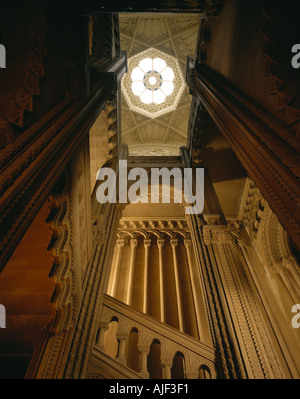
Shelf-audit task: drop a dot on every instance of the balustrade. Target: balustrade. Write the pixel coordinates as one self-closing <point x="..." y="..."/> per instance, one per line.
<point x="197" y="356"/>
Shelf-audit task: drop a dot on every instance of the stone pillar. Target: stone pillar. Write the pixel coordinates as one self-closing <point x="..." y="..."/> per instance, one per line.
<point x="115" y="269"/>
<point x="147" y="244"/>
<point x="203" y="334"/>
<point x="122" y="339"/>
<point x="238" y="295"/>
<point x="166" y="365"/>
<point x="160" y="244"/>
<point x="174" y="244"/>
<point x="231" y="363"/>
<point x="133" y="245"/>
<point x="143" y="353"/>
<point x="103" y="326"/>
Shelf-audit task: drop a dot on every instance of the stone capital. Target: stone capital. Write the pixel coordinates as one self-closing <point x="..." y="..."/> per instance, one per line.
<point x="289" y="262"/>
<point x="160" y="243"/>
<point x="166" y="361"/>
<point x="133" y="243"/>
<point x="147" y="243"/>
<point x="121" y="336"/>
<point x="278" y="267"/>
<point x="120" y="243"/>
<point x="103" y="325"/>
<point x="187" y="243"/>
<point x="174" y="242"/>
<point x="144" y="348"/>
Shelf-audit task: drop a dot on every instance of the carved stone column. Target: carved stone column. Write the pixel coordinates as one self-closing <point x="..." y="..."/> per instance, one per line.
<point x="147" y="244"/>
<point x="174" y="244"/>
<point x="166" y="365"/>
<point x="115" y="269"/>
<point x="94" y="284"/>
<point x="143" y="353"/>
<point x="160" y="244"/>
<point x="122" y="339"/>
<point x="198" y="302"/>
<point x="103" y="326"/>
<point x="133" y="245"/>
<point x="227" y="348"/>
<point x="238" y="295"/>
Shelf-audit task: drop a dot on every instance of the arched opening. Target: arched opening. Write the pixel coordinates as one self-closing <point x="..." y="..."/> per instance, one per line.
<point x="204" y="373"/>
<point x="177" y="370"/>
<point x="132" y="350"/>
<point x="153" y="361"/>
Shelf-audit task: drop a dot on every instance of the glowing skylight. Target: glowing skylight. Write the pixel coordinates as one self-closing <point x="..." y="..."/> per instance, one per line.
<point x="152" y="80"/>
<point x="154" y="83"/>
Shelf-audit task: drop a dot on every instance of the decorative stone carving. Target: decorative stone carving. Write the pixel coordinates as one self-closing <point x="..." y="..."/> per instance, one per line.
<point x="216" y="234"/>
<point x="174" y="243"/>
<point x="87" y="321"/>
<point x="133" y="243"/>
<point x="48" y="147"/>
<point x="147" y="243"/>
<point x="166" y="364"/>
<point x="160" y="243"/>
<point x="256" y="144"/>
<point x="143" y="352"/>
<point x="194" y="354"/>
<point x="228" y="352"/>
<point x="64" y="273"/>
<point x="212" y="219"/>
<point x="174" y="35"/>
<point x="252" y="207"/>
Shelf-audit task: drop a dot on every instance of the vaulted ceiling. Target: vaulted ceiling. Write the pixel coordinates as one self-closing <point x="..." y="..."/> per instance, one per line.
<point x="175" y="35"/>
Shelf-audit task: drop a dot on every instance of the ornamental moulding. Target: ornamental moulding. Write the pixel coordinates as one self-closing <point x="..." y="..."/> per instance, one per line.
<point x="217" y="235"/>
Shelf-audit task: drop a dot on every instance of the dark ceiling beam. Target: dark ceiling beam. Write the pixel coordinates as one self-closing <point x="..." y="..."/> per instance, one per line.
<point x="166" y="6"/>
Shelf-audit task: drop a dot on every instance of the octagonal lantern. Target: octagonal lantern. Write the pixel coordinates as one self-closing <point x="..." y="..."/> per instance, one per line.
<point x="153" y="84"/>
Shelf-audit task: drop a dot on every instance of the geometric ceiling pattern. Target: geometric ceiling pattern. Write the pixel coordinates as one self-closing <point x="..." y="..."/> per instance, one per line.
<point x="153" y="84"/>
<point x="174" y="35"/>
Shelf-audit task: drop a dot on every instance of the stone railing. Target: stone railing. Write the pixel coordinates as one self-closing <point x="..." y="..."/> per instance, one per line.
<point x="199" y="359"/>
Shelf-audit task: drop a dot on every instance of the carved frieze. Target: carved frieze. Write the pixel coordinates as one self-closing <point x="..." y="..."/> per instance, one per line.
<point x="217" y="235"/>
